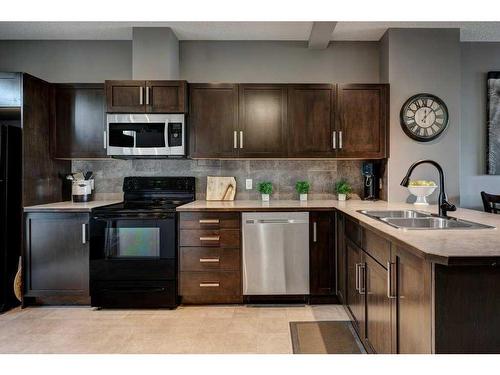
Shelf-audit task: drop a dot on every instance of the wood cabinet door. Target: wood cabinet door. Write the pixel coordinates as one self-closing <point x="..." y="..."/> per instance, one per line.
<point x="355" y="286"/>
<point x="378" y="308"/>
<point x="78" y="121"/>
<point x="310" y="120"/>
<point x="56" y="254"/>
<point x="262" y="120"/>
<point x="413" y="321"/>
<point x="321" y="253"/>
<point x="362" y="120"/>
<point x="341" y="259"/>
<point x="126" y="96"/>
<point x="166" y="96"/>
<point x="213" y="120"/>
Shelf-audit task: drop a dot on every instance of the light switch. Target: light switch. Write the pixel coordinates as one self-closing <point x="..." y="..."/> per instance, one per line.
<point x="248" y="184"/>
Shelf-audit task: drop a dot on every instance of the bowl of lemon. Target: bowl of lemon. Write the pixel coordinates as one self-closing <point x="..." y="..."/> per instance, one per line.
<point x="421" y="189"/>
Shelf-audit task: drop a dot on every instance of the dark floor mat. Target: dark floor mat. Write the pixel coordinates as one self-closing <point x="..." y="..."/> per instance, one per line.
<point x="325" y="337"/>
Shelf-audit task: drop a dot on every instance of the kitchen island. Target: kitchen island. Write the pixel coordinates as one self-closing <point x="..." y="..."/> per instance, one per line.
<point x="406" y="291"/>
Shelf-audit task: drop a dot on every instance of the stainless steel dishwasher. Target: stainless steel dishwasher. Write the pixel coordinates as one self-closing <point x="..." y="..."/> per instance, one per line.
<point x="275" y="253"/>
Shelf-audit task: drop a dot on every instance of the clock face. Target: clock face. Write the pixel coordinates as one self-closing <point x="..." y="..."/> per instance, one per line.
<point x="424" y="117"/>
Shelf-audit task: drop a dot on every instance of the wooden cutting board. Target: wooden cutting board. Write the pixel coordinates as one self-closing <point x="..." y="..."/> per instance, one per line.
<point x="221" y="188"/>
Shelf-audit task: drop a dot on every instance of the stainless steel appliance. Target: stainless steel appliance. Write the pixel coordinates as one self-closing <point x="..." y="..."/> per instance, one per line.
<point x="133" y="245"/>
<point x="275" y="253"/>
<point x="145" y="135"/>
<point x="371" y="180"/>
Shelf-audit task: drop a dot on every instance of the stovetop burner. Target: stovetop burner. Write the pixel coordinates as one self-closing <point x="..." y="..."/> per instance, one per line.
<point x="154" y="194"/>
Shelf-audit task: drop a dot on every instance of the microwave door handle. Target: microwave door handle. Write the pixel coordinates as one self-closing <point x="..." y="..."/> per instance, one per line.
<point x="167" y="127"/>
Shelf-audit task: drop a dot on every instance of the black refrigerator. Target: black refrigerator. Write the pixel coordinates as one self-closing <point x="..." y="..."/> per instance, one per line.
<point x="10" y="203"/>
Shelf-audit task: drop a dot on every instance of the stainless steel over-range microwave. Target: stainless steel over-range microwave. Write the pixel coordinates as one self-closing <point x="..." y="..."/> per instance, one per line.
<point x="145" y="135"/>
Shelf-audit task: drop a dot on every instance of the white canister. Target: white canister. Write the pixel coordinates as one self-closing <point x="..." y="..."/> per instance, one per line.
<point x="81" y="190"/>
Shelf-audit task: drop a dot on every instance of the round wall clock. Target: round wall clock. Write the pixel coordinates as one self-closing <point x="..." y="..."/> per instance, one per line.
<point x="424" y="117"/>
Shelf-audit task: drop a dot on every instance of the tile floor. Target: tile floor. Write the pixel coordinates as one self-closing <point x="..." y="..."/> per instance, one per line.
<point x="188" y="329"/>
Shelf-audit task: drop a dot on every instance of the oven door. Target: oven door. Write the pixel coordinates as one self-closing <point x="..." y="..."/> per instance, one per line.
<point x="133" y="237"/>
<point x="146" y="135"/>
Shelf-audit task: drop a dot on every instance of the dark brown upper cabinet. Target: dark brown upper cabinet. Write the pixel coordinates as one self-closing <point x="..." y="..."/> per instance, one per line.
<point x="213" y="120"/>
<point x="262" y="120"/>
<point x="362" y="118"/>
<point x="166" y="96"/>
<point x="78" y="121"/>
<point x="311" y="110"/>
<point x="146" y="96"/>
<point x="126" y="96"/>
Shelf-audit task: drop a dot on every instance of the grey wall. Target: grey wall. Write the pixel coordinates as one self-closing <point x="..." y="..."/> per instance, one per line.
<point x="68" y="61"/>
<point x="477" y="60"/>
<point x="283" y="174"/>
<point x="155" y="53"/>
<point x="253" y="61"/>
<point x="423" y="60"/>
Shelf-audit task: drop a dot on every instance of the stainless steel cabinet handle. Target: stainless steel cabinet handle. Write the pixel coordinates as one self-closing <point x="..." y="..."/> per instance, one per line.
<point x="209" y="221"/>
<point x="84" y="233"/>
<point x="209" y="260"/>
<point x="214" y="238"/>
<point x="105" y="140"/>
<point x="314" y="232"/>
<point x="334" y="140"/>
<point x="389" y="281"/>
<point x="141" y="95"/>
<point x="340" y="139"/>
<point x="356" y="267"/>
<point x="147" y="95"/>
<point x="362" y="278"/>
<point x="241" y="139"/>
<point x="235" y="139"/>
<point x="209" y="285"/>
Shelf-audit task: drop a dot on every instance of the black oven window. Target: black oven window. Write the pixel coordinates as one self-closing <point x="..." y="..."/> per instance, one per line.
<point x="133" y="242"/>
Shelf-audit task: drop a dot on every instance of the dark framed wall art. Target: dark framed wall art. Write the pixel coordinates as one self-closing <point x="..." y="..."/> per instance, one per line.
<point x="493" y="123"/>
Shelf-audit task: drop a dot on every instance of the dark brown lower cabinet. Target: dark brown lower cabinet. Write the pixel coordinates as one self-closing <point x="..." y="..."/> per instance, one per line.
<point x="412" y="309"/>
<point x="355" y="300"/>
<point x="56" y="257"/>
<point x="341" y="258"/>
<point x="378" y="307"/>
<point x="322" y="254"/>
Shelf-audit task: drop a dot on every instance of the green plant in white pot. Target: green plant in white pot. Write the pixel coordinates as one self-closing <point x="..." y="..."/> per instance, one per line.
<point x="302" y="188"/>
<point x="265" y="189"/>
<point x="342" y="188"/>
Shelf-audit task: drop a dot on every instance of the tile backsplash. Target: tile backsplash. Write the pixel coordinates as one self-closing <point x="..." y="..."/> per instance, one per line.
<point x="322" y="174"/>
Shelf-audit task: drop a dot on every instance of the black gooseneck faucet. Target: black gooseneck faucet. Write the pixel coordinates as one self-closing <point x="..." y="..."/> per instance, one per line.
<point x="443" y="205"/>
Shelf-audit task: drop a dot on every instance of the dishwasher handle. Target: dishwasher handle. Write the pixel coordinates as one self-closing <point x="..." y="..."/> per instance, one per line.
<point x="276" y="221"/>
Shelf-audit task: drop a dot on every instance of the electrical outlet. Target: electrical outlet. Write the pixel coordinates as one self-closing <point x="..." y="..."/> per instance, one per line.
<point x="248" y="184"/>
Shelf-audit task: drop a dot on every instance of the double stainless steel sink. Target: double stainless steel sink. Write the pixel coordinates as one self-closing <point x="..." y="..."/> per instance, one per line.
<point x="413" y="219"/>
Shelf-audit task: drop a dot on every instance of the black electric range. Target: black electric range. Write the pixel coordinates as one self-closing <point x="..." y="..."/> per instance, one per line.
<point x="133" y="244"/>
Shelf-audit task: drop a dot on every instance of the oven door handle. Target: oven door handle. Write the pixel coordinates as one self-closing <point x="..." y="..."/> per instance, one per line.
<point x="134" y="217"/>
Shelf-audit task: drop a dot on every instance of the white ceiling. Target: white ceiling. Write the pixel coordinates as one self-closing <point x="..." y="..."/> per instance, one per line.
<point x="362" y="31"/>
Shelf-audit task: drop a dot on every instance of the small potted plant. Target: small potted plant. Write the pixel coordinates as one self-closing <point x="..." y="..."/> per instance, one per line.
<point x="302" y="188"/>
<point x="265" y="189"/>
<point x="342" y="188"/>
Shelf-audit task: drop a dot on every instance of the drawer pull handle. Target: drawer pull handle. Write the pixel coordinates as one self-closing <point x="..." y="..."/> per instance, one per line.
<point x="209" y="285"/>
<point x="209" y="260"/>
<point x="209" y="221"/>
<point x="214" y="238"/>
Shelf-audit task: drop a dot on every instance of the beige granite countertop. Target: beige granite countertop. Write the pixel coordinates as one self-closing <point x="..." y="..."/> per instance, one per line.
<point x="436" y="245"/>
<point x="69" y="206"/>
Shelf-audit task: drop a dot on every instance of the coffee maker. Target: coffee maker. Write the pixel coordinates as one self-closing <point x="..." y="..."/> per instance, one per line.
<point x="371" y="176"/>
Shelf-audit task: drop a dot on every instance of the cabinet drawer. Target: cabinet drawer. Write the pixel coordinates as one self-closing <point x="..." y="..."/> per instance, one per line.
<point x="378" y="247"/>
<point x="210" y="237"/>
<point x="210" y="287"/>
<point x="353" y="231"/>
<point x="209" y="220"/>
<point x="209" y="259"/>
